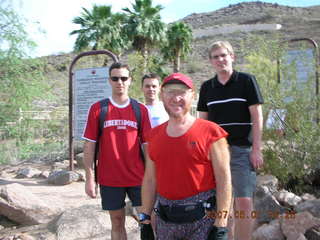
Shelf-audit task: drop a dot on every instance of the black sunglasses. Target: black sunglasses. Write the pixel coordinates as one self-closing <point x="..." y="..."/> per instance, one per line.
<point x="116" y="79"/>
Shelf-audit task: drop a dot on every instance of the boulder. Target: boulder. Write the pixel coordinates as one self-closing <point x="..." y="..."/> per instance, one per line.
<point x="308" y="197"/>
<point x="313" y="206"/>
<point x="287" y="199"/>
<point x="63" y="177"/>
<point x="295" y="227"/>
<point x="88" y="222"/>
<point x="313" y="234"/>
<point x="266" y="205"/>
<point x="18" y="204"/>
<point x="271" y="231"/>
<point x="28" y="173"/>
<point x="269" y="181"/>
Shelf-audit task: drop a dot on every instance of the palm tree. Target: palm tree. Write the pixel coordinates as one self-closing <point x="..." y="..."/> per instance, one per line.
<point x="144" y="27"/>
<point x="100" y="29"/>
<point x="178" y="45"/>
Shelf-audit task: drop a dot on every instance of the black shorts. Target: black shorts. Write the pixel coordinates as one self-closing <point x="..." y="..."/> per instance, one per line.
<point x="113" y="198"/>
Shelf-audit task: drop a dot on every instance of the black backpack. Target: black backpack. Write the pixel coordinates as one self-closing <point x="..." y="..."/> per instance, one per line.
<point x="103" y="114"/>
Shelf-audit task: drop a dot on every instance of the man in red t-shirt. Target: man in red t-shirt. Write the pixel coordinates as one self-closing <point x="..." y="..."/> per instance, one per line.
<point x="187" y="168"/>
<point x="120" y="166"/>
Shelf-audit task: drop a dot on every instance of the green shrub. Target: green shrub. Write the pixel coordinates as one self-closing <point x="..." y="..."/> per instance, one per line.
<point x="292" y="152"/>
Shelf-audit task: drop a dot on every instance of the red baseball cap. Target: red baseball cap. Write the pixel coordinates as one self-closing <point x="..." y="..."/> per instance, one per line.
<point x="178" y="78"/>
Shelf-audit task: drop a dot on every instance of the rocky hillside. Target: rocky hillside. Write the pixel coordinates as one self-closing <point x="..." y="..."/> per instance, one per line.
<point x="259" y="12"/>
<point x="296" y="22"/>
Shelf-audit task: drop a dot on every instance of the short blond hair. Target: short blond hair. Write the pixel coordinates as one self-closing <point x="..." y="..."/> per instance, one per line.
<point x="220" y="44"/>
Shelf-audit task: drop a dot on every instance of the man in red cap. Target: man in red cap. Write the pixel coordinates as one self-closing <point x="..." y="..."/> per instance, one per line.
<point x="187" y="170"/>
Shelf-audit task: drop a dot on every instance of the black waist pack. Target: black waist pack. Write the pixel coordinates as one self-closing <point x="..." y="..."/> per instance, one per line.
<point x="185" y="213"/>
<point x="181" y="213"/>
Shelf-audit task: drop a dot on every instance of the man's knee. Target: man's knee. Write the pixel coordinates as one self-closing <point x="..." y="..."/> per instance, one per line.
<point x="117" y="218"/>
<point x="243" y="203"/>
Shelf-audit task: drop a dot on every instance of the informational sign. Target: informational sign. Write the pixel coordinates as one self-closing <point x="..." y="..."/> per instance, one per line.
<point x="301" y="69"/>
<point x="90" y="86"/>
<point x="303" y="62"/>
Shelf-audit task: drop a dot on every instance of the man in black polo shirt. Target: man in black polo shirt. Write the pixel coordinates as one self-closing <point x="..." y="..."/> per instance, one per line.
<point x="233" y="100"/>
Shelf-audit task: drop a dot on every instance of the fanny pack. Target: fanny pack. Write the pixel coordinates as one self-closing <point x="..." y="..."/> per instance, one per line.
<point x="185" y="213"/>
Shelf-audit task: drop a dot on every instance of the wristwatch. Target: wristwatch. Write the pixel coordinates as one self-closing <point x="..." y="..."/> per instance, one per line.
<point x="143" y="217"/>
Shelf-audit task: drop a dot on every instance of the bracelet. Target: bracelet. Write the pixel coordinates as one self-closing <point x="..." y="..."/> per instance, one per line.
<point x="143" y="217"/>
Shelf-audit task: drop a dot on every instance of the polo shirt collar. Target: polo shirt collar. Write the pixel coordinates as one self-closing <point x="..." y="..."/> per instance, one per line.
<point x="233" y="78"/>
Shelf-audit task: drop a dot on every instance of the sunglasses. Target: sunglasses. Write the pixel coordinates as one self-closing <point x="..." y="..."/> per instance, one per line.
<point x="116" y="79"/>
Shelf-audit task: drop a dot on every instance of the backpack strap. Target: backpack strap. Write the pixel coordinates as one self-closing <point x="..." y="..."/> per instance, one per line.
<point x="137" y="112"/>
<point x="102" y="116"/>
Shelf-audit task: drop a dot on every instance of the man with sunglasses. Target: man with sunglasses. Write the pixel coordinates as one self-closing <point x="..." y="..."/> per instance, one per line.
<point x="187" y="170"/>
<point x="120" y="164"/>
<point x="233" y="100"/>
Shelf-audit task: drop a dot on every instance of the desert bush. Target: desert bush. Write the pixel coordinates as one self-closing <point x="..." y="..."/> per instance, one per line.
<point x="22" y="84"/>
<point x="291" y="150"/>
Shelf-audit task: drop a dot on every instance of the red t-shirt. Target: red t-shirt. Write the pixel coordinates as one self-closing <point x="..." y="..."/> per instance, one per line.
<point x="183" y="167"/>
<point x="120" y="163"/>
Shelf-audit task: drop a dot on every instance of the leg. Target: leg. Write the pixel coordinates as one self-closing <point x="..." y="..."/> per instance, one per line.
<point x="243" y="182"/>
<point x="134" y="194"/>
<point x="231" y="221"/>
<point x="113" y="200"/>
<point x="118" y="231"/>
<point x="243" y="226"/>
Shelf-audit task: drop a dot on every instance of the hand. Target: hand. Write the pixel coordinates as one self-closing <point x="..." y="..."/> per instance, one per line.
<point x="146" y="232"/>
<point x="218" y="233"/>
<point x="256" y="158"/>
<point x="91" y="188"/>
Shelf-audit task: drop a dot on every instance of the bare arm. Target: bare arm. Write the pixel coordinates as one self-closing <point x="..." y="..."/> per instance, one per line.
<point x="220" y="158"/>
<point x="148" y="186"/>
<point x="257" y="126"/>
<point x="88" y="158"/>
<point x="203" y="115"/>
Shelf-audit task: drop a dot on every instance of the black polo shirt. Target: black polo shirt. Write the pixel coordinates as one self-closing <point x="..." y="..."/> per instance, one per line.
<point x="228" y="105"/>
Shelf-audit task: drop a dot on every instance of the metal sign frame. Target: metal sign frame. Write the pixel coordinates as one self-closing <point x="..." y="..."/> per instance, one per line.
<point x="74" y="61"/>
<point x="317" y="62"/>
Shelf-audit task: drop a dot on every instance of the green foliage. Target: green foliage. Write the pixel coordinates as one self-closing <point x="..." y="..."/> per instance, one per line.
<point x="34" y="139"/>
<point x="100" y="29"/>
<point x="144" y="27"/>
<point x="178" y="44"/>
<point x="140" y="27"/>
<point x="13" y="37"/>
<point x="292" y="151"/>
<point x="21" y="79"/>
<point x="8" y="151"/>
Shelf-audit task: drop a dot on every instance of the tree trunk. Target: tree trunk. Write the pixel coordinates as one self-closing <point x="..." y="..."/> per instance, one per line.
<point x="176" y="62"/>
<point x="145" y="59"/>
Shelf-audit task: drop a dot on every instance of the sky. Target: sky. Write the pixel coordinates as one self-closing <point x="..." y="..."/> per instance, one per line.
<point x="49" y="22"/>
